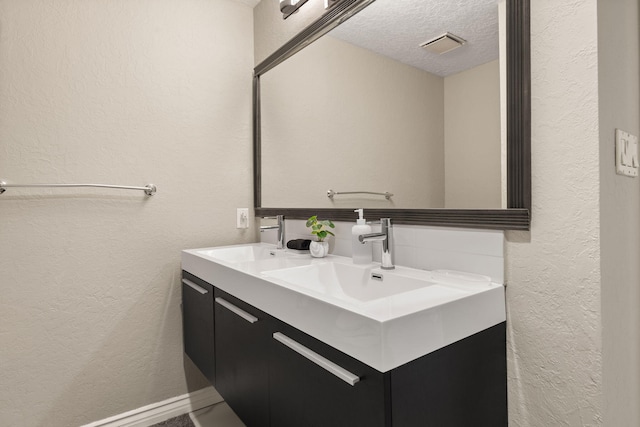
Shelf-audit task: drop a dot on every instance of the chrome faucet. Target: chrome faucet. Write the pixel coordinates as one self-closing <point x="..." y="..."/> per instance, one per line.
<point x="279" y="226"/>
<point x="386" y="237"/>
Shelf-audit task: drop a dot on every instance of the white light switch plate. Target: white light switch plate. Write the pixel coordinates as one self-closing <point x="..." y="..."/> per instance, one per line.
<point x="242" y="218"/>
<point x="626" y="153"/>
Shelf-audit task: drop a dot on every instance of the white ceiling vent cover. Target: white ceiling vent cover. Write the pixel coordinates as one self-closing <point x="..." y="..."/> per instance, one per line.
<point x="444" y="43"/>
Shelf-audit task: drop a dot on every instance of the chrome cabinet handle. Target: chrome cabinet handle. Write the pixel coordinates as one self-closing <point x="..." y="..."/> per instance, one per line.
<point x="324" y="363"/>
<point x="240" y="312"/>
<point x="195" y="287"/>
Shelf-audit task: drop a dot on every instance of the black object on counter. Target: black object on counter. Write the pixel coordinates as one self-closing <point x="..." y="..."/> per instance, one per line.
<point x="299" y="244"/>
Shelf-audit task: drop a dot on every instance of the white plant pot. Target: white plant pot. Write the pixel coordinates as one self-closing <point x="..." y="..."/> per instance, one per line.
<point x="319" y="249"/>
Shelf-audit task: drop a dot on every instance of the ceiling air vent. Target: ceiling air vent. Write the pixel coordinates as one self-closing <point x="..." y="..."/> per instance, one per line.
<point x="444" y="43"/>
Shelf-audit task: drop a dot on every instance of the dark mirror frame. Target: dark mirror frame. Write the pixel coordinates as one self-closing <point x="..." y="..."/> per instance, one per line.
<point x="517" y="216"/>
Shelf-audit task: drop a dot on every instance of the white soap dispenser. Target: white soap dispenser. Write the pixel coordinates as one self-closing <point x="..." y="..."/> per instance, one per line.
<point x="361" y="252"/>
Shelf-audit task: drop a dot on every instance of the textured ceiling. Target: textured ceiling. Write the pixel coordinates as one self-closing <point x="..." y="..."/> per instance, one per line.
<point x="396" y="28"/>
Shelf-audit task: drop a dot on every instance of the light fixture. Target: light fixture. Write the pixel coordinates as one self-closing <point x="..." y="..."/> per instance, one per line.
<point x="288" y="7"/>
<point x="443" y="43"/>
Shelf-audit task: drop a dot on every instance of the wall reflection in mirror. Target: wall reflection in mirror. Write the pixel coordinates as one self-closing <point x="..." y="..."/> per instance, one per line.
<point x="366" y="108"/>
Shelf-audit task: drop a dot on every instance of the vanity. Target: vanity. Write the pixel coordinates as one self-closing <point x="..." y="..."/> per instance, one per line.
<point x="289" y="340"/>
<point x="292" y="341"/>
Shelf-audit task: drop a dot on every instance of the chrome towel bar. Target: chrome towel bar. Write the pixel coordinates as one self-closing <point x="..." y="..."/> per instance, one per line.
<point x="331" y="193"/>
<point x="148" y="189"/>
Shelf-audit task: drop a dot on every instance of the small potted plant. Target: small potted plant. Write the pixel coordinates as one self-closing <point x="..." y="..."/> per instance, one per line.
<point x="319" y="248"/>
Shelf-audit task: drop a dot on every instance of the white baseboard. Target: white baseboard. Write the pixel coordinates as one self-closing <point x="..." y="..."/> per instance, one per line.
<point x="162" y="411"/>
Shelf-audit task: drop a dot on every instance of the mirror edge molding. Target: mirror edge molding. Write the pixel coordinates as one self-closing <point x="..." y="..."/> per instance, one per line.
<point x="518" y="104"/>
<point x="494" y="219"/>
<point x="335" y="16"/>
<point x="517" y="216"/>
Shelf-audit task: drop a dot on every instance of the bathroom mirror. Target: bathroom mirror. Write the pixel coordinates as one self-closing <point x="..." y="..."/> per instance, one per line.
<point x="307" y="108"/>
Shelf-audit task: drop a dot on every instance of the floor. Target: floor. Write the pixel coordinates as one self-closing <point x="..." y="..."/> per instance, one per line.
<point x="218" y="415"/>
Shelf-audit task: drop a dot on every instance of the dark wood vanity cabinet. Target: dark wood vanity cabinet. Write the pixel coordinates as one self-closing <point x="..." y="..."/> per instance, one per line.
<point x="198" y="323"/>
<point x="460" y="385"/>
<point x="242" y="371"/>
<point x="273" y="375"/>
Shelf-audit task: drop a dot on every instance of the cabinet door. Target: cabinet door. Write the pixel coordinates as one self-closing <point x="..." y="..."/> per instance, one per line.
<point x="314" y="385"/>
<point x="242" y="339"/>
<point x="197" y="323"/>
<point x="463" y="384"/>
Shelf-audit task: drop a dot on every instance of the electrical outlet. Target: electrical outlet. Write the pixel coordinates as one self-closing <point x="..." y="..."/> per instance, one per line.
<point x="626" y="153"/>
<point x="242" y="218"/>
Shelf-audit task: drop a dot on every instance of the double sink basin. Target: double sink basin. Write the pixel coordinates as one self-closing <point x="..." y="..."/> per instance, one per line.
<point x="384" y="318"/>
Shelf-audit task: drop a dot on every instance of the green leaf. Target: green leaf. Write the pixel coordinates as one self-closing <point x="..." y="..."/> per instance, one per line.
<point x="312" y="220"/>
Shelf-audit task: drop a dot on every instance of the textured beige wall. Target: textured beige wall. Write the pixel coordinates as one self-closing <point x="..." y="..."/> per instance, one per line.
<point x="573" y="295"/>
<point x="385" y="134"/>
<point x="472" y="148"/>
<point x="553" y="272"/>
<point x="113" y="91"/>
<point x="619" y="96"/>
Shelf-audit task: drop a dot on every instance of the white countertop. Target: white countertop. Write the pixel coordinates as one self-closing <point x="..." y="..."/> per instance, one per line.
<point x="384" y="333"/>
